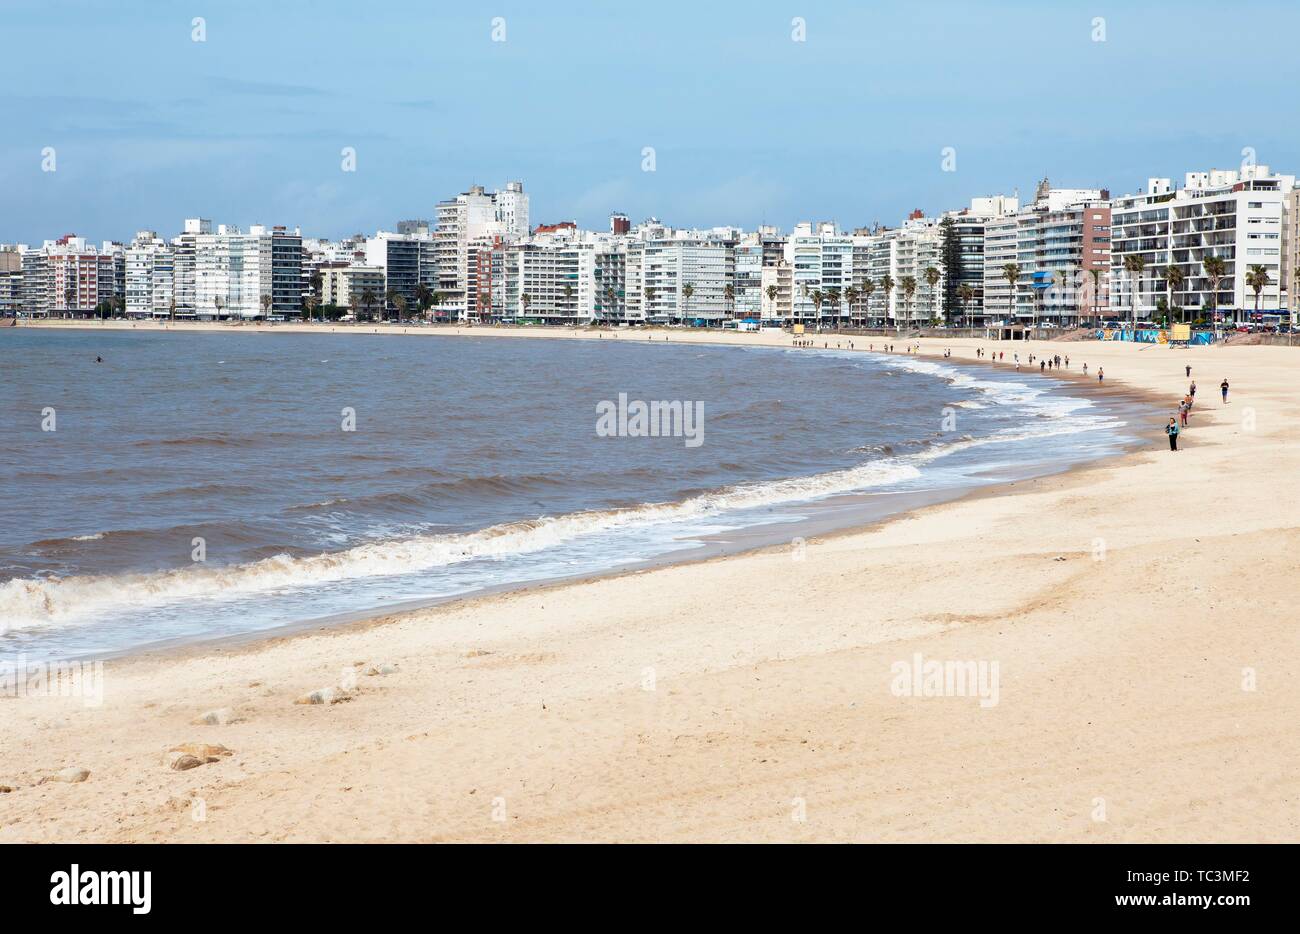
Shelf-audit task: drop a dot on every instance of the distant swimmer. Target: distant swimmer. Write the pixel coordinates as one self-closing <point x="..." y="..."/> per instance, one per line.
<point x="99" y="359"/>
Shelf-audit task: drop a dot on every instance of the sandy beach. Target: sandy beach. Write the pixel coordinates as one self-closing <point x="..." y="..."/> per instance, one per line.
<point x="1139" y="614"/>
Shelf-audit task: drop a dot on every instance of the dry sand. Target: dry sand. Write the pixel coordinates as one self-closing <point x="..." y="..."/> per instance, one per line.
<point x="1129" y="607"/>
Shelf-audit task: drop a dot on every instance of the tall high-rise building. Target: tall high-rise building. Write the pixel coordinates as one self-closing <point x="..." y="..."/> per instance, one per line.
<point x="150" y="276"/>
<point x="469" y="216"/>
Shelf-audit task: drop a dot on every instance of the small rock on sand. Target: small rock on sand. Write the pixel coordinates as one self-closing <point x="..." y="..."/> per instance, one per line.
<point x="183" y="761"/>
<point x="219" y="717"/>
<point x="6" y="789"/>
<point x="71" y="775"/>
<point x="208" y="752"/>
<point x="325" y="696"/>
<point x="386" y="668"/>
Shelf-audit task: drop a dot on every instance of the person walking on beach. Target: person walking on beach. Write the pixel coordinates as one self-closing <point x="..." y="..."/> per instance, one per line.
<point x="1101" y="373"/>
<point x="1172" y="431"/>
<point x="1191" y="391"/>
<point x="1189" y="371"/>
<point x="1223" y="387"/>
<point x="1085" y="369"/>
<point x="1182" y="412"/>
<point x="1042" y="366"/>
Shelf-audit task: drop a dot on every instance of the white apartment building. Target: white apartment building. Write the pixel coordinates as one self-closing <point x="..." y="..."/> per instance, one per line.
<point x="821" y="264"/>
<point x="1291" y="254"/>
<point x="747" y="287"/>
<point x="232" y="271"/>
<point x="777" y="289"/>
<point x="1000" y="242"/>
<point x="1052" y="243"/>
<point x="469" y="216"/>
<point x="150" y="276"/>
<point x="1238" y="216"/>
<point x="685" y="280"/>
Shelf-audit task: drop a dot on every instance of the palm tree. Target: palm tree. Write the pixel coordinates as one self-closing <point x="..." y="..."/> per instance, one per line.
<point x="817" y="296"/>
<point x="568" y="297"/>
<point x="118" y="304"/>
<point x="832" y="298"/>
<point x="312" y="303"/>
<point x="171" y="308"/>
<point x="1134" y="265"/>
<point x="729" y="293"/>
<point x="68" y="295"/>
<point x="772" y="292"/>
<point x="524" y="300"/>
<point x="909" y="289"/>
<point x="887" y="287"/>
<point x="399" y="303"/>
<point x="1257" y="278"/>
<point x="610" y="295"/>
<point x="687" y="291"/>
<point x="218" y="303"/>
<point x="1173" y="277"/>
<point x="1011" y="272"/>
<point x="423" y="297"/>
<point x="649" y="291"/>
<point x="1216" y="270"/>
<point x="868" y="287"/>
<point x="368" y="299"/>
<point x="390" y="300"/>
<point x="1062" y="287"/>
<point x="266" y="304"/>
<point x="932" y="277"/>
<point x="1095" y="272"/>
<point x="965" y="292"/>
<point x="850" y="298"/>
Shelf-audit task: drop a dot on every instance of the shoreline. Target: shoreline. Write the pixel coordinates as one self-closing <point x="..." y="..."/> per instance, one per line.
<point x="846" y="520"/>
<point x="1121" y="678"/>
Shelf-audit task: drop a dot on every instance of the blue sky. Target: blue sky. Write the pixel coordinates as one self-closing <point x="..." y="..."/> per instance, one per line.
<point x="747" y="125"/>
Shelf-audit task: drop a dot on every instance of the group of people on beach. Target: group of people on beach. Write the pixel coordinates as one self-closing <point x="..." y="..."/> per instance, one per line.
<point x="1179" y="421"/>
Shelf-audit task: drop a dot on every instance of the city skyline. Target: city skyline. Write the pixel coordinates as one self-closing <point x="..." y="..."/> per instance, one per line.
<point x="855" y="124"/>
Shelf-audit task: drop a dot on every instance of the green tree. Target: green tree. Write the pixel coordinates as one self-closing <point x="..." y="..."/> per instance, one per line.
<point x="1257" y="279"/>
<point x="1011" y="272"/>
<point x="368" y="299"/>
<point x="909" y="289"/>
<point x="965" y="292"/>
<point x="1095" y="272"/>
<point x="1134" y="266"/>
<point x="1173" y="277"/>
<point x="950" y="254"/>
<point x="1216" y="270"/>
<point x="932" y="277"/>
